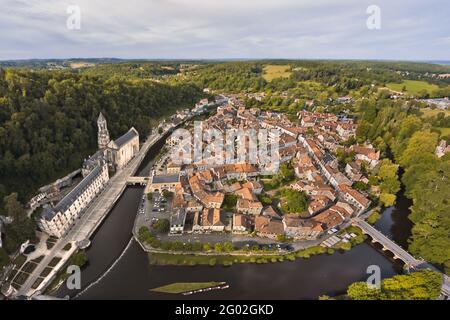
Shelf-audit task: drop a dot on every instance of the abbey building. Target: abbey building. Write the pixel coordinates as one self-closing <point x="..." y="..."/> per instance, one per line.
<point x="120" y="151"/>
<point x="57" y="219"/>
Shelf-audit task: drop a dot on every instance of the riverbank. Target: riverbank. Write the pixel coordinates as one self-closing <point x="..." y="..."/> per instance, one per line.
<point x="321" y="274"/>
<point x="212" y="258"/>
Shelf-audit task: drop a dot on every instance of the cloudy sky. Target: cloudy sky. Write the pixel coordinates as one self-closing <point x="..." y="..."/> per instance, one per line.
<point x="215" y="29"/>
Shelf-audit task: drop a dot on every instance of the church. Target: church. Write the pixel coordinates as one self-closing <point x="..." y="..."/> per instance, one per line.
<point x="57" y="219"/>
<point x="120" y="151"/>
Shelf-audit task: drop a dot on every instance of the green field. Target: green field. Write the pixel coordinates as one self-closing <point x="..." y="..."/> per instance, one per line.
<point x="413" y="87"/>
<point x="181" y="287"/>
<point x="444" y="131"/>
<point x="272" y="71"/>
<point x="427" y="112"/>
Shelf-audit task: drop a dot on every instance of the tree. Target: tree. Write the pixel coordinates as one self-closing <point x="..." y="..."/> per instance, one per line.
<point x="430" y="214"/>
<point x="218" y="247"/>
<point x="14" y="208"/>
<point x="374" y="217"/>
<point x="360" y="291"/>
<point x="80" y="258"/>
<point x="421" y="142"/>
<point x="387" y="173"/>
<point x="162" y="226"/>
<point x="294" y="201"/>
<point x="4" y="258"/>
<point x="167" y="194"/>
<point x="227" y="247"/>
<point x="359" y="185"/>
<point x="387" y="199"/>
<point x="408" y="126"/>
<point x="420" y="285"/>
<point x="229" y="203"/>
<point x="22" y="228"/>
<point x="286" y="172"/>
<point x="265" y="200"/>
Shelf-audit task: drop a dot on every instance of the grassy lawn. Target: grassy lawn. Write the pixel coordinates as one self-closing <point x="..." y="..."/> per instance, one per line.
<point x="225" y="260"/>
<point x="54" y="262"/>
<point x="46" y="272"/>
<point x="51" y="242"/>
<point x="181" y="287"/>
<point x="444" y="131"/>
<point x="19" y="261"/>
<point x="413" y="87"/>
<point x="272" y="71"/>
<point x="29" y="267"/>
<point x="428" y="112"/>
<point x="21" y="278"/>
<point x="228" y="260"/>
<point x="37" y="283"/>
<point x="13" y="274"/>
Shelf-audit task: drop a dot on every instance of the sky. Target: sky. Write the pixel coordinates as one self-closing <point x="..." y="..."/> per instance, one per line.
<point x="225" y="29"/>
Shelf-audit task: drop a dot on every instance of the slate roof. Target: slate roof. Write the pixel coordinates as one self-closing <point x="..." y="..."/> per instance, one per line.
<point x="174" y="178"/>
<point x="124" y="139"/>
<point x="48" y="213"/>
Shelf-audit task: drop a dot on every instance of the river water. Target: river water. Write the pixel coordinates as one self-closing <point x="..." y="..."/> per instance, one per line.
<point x="132" y="277"/>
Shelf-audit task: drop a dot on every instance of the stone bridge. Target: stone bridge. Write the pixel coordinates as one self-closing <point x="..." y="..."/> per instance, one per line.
<point x="399" y="253"/>
<point x="138" y="180"/>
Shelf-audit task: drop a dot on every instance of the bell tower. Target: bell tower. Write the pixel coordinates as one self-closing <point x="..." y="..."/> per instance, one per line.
<point x="103" y="134"/>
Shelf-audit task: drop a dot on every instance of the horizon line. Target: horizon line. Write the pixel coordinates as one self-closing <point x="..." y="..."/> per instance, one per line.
<point x="232" y="59"/>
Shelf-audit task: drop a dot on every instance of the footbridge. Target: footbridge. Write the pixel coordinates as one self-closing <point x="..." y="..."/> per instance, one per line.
<point x="142" y="181"/>
<point x="399" y="253"/>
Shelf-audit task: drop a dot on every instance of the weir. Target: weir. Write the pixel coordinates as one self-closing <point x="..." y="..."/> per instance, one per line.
<point x="107" y="271"/>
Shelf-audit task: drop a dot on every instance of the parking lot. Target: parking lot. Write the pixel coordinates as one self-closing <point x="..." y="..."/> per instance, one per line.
<point x="154" y="209"/>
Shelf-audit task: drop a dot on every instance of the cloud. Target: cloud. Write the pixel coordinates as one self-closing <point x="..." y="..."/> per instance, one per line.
<point x="225" y="29"/>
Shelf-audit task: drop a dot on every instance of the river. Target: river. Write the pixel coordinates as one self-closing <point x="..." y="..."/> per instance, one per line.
<point x="132" y="277"/>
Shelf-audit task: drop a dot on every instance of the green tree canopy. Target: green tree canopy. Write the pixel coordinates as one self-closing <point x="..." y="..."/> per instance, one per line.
<point x="420" y="285"/>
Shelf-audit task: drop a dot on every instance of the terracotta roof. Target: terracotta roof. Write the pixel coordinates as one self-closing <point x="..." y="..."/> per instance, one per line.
<point x="355" y="195"/>
<point x="247" y="204"/>
<point x="266" y="225"/>
<point x="296" y="222"/>
<point x="252" y="185"/>
<point x="212" y="217"/>
<point x="241" y="220"/>
<point x="246" y="193"/>
<point x="329" y="219"/>
<point x="269" y="211"/>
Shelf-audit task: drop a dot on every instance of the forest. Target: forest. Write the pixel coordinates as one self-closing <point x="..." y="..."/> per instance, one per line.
<point x="398" y="129"/>
<point x="48" y="120"/>
<point x="338" y="76"/>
